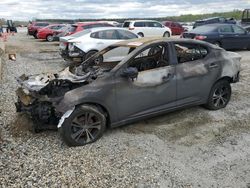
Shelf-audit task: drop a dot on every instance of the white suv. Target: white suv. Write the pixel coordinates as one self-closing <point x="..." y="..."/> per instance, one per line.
<point x="147" y="28"/>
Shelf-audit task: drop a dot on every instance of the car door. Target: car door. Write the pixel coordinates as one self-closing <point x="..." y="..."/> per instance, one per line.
<point x="226" y="36"/>
<point x="155" y="29"/>
<point x="242" y="37"/>
<point x="159" y="28"/>
<point x="125" y="35"/>
<point x="196" y="72"/>
<point x="179" y="29"/>
<point x="147" y="29"/>
<point x="174" y="28"/>
<point x="104" y="38"/>
<point x="154" y="90"/>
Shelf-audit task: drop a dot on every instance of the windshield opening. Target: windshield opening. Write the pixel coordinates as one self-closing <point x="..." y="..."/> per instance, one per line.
<point x="108" y="58"/>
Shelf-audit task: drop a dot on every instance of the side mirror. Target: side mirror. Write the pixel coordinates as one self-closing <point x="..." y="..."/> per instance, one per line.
<point x="130" y="72"/>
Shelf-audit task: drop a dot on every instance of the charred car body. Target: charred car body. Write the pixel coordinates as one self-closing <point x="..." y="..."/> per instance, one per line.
<point x="130" y="80"/>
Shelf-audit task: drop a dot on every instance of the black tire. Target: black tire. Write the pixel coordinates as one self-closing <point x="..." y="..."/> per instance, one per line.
<point x="140" y="34"/>
<point x="76" y="131"/>
<point x="166" y="34"/>
<point x="50" y="38"/>
<point x="35" y="35"/>
<point x="219" y="96"/>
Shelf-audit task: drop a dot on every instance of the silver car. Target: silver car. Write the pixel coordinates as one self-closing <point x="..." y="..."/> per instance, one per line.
<point x="148" y="77"/>
<point x="82" y="45"/>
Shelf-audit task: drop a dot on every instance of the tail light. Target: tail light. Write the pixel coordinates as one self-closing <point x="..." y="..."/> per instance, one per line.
<point x="131" y="28"/>
<point x="200" y="37"/>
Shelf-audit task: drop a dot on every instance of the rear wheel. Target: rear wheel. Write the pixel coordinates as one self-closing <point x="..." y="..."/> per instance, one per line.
<point x="49" y="38"/>
<point x="219" y="96"/>
<point x="85" y="125"/>
<point x="166" y="34"/>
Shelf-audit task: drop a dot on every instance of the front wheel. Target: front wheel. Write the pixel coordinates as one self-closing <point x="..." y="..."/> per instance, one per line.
<point x="219" y="96"/>
<point x="35" y="35"/>
<point x="49" y="38"/>
<point x="85" y="125"/>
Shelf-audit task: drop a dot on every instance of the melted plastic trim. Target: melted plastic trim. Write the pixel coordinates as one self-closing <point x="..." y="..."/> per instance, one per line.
<point x="66" y="115"/>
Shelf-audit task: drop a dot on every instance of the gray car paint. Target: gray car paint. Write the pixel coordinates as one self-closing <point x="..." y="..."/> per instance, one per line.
<point x="125" y="102"/>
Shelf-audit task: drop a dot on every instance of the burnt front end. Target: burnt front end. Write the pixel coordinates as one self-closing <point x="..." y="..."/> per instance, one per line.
<point x="38" y="96"/>
<point x="42" y="112"/>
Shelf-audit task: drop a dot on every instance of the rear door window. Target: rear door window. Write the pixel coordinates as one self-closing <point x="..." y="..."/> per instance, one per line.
<point x="238" y="30"/>
<point x="139" y="24"/>
<point x="149" y="24"/>
<point x="189" y="52"/>
<point x="226" y="29"/>
<point x="41" y="24"/>
<point x="126" y="34"/>
<point x="107" y="34"/>
<point x="156" y="24"/>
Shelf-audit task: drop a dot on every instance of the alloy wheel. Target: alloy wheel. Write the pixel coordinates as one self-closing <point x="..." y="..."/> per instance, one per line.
<point x="221" y="96"/>
<point x="85" y="127"/>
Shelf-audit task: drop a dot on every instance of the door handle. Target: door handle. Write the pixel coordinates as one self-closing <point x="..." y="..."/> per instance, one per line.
<point x="213" y="65"/>
<point x="221" y="35"/>
<point x="100" y="43"/>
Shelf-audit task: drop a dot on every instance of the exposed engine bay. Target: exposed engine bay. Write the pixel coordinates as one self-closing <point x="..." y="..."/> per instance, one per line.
<point x="38" y="94"/>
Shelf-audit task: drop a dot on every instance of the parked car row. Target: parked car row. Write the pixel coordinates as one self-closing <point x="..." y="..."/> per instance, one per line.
<point x="52" y="32"/>
<point x="84" y="44"/>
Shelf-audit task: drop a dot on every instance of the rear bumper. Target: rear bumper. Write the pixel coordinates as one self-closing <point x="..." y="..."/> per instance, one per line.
<point x="75" y="56"/>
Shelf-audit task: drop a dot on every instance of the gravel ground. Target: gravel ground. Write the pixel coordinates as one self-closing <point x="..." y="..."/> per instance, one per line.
<point x="189" y="148"/>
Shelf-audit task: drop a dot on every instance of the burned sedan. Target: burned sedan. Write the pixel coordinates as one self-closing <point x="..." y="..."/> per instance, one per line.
<point x="126" y="82"/>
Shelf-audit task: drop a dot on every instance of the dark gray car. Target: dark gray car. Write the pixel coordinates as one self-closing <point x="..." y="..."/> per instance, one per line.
<point x="127" y="82"/>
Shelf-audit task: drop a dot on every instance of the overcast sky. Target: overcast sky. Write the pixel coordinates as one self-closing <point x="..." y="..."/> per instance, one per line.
<point x="73" y="9"/>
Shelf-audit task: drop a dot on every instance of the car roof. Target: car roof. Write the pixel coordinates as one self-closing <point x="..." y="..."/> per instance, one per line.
<point x="151" y="40"/>
<point x="87" y="23"/>
<point x="140" y="21"/>
<point x="207" y="19"/>
<point x="106" y="28"/>
<point x="217" y="24"/>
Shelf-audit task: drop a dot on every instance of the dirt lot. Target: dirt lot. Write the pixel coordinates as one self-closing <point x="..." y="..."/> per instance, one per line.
<point x="189" y="148"/>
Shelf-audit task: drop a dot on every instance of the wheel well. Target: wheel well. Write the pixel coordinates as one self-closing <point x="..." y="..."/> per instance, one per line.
<point x="219" y="42"/>
<point x="227" y="78"/>
<point x="140" y="33"/>
<point x="101" y="108"/>
<point x="92" y="50"/>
